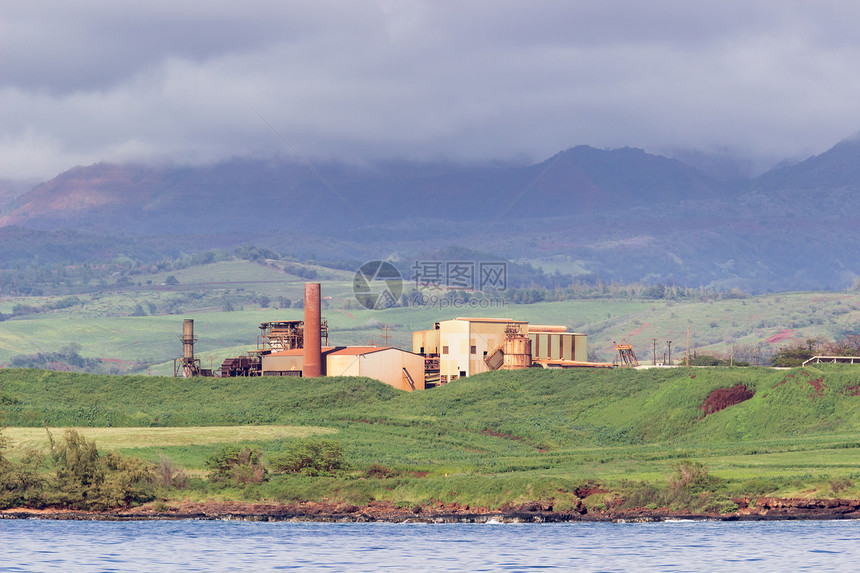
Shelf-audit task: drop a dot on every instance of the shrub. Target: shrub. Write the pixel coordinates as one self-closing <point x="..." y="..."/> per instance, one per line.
<point x="690" y="488"/>
<point x="84" y="479"/>
<point x="21" y="484"/>
<point x="236" y="464"/>
<point x="692" y="476"/>
<point x="840" y="484"/>
<point x="168" y="475"/>
<point x="127" y="481"/>
<point x="311" y="458"/>
<point x="79" y="473"/>
<point x="641" y="494"/>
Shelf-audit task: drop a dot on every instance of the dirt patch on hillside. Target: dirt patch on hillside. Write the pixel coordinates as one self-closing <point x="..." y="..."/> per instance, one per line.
<point x="818" y="385"/>
<point x="722" y="398"/>
<point x="780" y="336"/>
<point x="495" y="434"/>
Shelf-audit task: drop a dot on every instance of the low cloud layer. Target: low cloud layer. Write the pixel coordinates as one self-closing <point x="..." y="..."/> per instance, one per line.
<point x="194" y="82"/>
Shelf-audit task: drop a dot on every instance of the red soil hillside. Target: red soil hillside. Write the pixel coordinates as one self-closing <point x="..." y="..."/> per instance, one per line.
<point x="83" y="189"/>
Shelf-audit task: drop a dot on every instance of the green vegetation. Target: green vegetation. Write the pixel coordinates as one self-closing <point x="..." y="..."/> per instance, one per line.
<point x="502" y="437"/>
<point x="237" y="465"/>
<point x="78" y="477"/>
<point x="311" y="458"/>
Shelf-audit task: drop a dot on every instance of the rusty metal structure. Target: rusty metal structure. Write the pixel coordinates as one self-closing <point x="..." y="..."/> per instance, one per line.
<point x="188" y="365"/>
<point x="514" y="353"/>
<point x="275" y="336"/>
<point x="517" y="349"/>
<point x="280" y="335"/>
<point x="295" y="348"/>
<point x="245" y="365"/>
<point x="625" y="357"/>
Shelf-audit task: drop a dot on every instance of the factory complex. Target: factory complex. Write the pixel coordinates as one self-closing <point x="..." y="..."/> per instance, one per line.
<point x="452" y="349"/>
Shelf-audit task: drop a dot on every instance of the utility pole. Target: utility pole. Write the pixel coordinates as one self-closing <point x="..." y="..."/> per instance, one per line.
<point x="732" y="355"/>
<point x="669" y="362"/>
<point x="654" y="351"/>
<point x="386" y="334"/>
<point x="688" y="345"/>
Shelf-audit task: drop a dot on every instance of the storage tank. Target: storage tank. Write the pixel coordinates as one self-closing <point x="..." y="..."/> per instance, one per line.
<point x="518" y="353"/>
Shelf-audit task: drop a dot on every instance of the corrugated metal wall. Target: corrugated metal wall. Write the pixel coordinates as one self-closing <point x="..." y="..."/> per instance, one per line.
<point x="387" y="365"/>
<point x="274" y="363"/>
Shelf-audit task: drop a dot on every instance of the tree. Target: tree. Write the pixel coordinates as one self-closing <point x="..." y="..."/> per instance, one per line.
<point x="311" y="458"/>
<point x="236" y="464"/>
<point x="792" y="355"/>
<point x="84" y="479"/>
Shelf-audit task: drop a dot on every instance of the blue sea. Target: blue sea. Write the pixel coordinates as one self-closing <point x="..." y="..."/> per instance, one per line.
<point x="44" y="545"/>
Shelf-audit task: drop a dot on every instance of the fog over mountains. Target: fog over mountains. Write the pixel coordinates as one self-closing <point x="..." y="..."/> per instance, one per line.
<point x="619" y="214"/>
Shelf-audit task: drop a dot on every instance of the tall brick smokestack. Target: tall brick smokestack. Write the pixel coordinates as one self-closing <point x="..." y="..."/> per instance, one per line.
<point x="313" y="345"/>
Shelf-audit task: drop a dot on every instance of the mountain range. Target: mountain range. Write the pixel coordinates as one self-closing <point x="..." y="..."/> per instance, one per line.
<point x="620" y="214"/>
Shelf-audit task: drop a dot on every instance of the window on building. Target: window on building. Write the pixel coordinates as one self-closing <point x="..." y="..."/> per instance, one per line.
<point x="444" y="350"/>
<point x="473" y="349"/>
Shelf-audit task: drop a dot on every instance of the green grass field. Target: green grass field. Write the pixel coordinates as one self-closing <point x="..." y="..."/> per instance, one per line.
<point x="149" y="437"/>
<point x="487" y="440"/>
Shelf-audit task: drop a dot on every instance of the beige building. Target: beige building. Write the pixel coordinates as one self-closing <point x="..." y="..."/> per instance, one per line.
<point x="395" y="367"/>
<point x="463" y="345"/>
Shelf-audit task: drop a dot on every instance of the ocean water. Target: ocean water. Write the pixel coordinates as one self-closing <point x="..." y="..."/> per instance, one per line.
<point x="44" y="545"/>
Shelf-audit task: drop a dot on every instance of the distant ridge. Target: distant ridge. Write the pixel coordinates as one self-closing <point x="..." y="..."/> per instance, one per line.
<point x="266" y="194"/>
<point x="619" y="214"/>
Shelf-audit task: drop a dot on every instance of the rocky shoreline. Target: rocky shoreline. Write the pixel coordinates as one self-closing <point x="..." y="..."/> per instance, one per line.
<point x="760" y="509"/>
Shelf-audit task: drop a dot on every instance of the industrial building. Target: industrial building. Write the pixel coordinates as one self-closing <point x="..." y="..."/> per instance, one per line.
<point x="295" y="348"/>
<point x="452" y="349"/>
<point x="464" y="346"/>
<point x="396" y="367"/>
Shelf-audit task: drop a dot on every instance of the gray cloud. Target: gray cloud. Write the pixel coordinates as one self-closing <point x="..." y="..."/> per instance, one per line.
<point x="92" y="81"/>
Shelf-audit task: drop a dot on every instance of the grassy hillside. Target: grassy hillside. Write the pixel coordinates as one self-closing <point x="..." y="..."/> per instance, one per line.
<point x="489" y="438"/>
<point x="549" y="409"/>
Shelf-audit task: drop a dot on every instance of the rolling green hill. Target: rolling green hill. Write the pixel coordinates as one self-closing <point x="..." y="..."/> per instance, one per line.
<point x="577" y="424"/>
<point x="492" y="439"/>
<point x="550" y="409"/>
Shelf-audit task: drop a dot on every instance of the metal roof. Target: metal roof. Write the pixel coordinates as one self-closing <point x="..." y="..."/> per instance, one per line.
<point x="335" y="351"/>
<point x="479" y="319"/>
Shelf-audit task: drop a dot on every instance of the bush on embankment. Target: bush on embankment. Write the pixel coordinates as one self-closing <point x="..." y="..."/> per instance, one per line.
<point x="74" y="475"/>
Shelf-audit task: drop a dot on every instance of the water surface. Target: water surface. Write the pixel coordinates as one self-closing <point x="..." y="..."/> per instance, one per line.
<point x="44" y="545"/>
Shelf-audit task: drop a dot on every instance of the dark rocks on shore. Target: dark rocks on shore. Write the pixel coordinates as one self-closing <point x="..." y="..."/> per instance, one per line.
<point x="531" y="512"/>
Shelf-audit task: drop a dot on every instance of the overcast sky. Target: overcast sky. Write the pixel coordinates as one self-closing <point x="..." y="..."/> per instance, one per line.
<point x="197" y="81"/>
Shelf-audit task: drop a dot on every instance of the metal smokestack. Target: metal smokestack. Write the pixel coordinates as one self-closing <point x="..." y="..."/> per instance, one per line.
<point x="188" y="338"/>
<point x="312" y="332"/>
